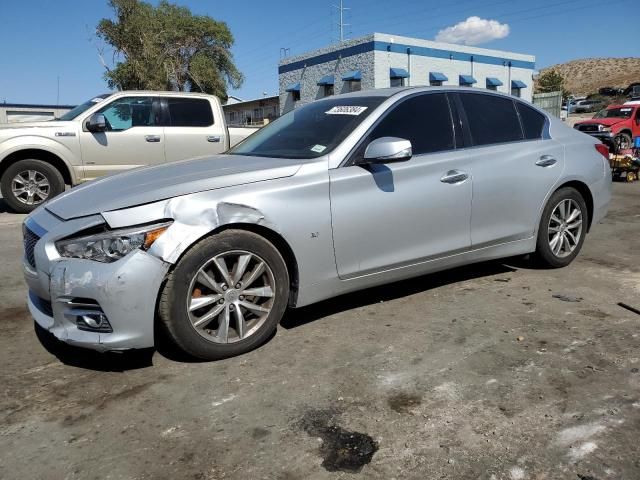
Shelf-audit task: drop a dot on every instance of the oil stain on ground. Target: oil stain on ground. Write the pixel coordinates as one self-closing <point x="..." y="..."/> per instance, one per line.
<point x="402" y="402"/>
<point x="342" y="450"/>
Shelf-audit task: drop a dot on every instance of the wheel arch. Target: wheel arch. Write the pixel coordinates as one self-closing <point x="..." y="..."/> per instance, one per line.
<point x="276" y="239"/>
<point x="38" y="154"/>
<point x="584" y="190"/>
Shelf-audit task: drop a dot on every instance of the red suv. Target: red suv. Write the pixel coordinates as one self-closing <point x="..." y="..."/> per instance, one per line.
<point x="616" y="125"/>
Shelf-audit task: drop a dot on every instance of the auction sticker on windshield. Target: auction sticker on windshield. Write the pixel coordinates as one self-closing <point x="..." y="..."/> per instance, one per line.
<point x="346" y="110"/>
<point x="318" y="148"/>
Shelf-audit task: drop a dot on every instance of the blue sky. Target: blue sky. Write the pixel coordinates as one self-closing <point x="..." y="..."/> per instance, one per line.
<point x="41" y="40"/>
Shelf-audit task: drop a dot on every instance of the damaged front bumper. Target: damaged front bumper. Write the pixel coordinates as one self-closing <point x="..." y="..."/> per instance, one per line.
<point x="101" y="306"/>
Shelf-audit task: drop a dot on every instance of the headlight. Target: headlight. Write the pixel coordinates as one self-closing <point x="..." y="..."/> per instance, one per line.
<point x="605" y="129"/>
<point x="111" y="245"/>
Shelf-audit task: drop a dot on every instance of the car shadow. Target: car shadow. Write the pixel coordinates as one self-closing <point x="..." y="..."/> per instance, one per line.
<point x="294" y="318"/>
<point x="92" y="360"/>
<point x="4" y="208"/>
<point x="301" y="316"/>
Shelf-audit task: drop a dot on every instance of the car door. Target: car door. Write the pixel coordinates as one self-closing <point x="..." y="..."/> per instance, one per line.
<point x="388" y="216"/>
<point x="191" y="130"/>
<point x="514" y="166"/>
<point x="134" y="137"/>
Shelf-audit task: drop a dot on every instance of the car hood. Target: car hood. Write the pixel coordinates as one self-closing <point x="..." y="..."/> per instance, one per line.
<point x="602" y="121"/>
<point x="151" y="184"/>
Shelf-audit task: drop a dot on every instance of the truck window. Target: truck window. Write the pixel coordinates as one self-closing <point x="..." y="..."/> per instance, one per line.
<point x="127" y="112"/>
<point x="190" y="112"/>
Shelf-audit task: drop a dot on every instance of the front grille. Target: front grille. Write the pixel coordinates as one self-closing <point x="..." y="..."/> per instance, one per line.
<point x="30" y="239"/>
<point x="589" y="128"/>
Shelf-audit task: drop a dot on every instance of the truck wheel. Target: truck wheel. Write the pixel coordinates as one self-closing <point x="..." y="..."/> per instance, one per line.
<point x="225" y="296"/>
<point x="562" y="229"/>
<point x="622" y="141"/>
<point x="28" y="183"/>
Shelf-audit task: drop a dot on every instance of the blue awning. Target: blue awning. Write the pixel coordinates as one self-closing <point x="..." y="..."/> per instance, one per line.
<point x="437" y="77"/>
<point x="518" y="84"/>
<point x="493" y="82"/>
<point x="326" y="80"/>
<point x="352" y="76"/>
<point x="467" y="80"/>
<point x="294" y="87"/>
<point x="398" y="73"/>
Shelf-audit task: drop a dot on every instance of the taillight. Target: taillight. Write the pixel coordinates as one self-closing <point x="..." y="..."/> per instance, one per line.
<point x="603" y="149"/>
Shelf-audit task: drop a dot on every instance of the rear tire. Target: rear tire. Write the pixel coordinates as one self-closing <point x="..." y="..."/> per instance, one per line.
<point x="240" y="310"/>
<point x="29" y="183"/>
<point x="562" y="229"/>
<point x="622" y="141"/>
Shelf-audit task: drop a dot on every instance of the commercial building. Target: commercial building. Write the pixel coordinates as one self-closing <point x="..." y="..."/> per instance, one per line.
<point x="251" y="112"/>
<point x="22" y="112"/>
<point x="381" y="60"/>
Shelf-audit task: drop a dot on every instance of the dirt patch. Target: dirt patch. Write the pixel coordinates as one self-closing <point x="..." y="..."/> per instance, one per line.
<point x="402" y="402"/>
<point x="342" y="450"/>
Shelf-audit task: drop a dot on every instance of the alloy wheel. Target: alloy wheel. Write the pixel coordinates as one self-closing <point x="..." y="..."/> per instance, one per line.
<point x="565" y="228"/>
<point x="230" y="296"/>
<point x="30" y="187"/>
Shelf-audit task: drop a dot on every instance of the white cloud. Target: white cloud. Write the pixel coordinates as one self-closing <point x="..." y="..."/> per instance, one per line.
<point x="473" y="31"/>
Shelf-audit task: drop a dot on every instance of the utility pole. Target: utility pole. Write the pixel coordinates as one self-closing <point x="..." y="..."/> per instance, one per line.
<point x="341" y="9"/>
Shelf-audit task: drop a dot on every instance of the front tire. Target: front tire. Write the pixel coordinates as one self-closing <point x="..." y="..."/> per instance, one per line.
<point x="562" y="229"/>
<point x="28" y="183"/>
<point x="226" y="296"/>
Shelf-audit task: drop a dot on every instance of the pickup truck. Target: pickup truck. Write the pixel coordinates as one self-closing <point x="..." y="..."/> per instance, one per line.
<point x="616" y="125"/>
<point x="107" y="134"/>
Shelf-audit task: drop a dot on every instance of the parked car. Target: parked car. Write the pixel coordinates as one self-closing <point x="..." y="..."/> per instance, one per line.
<point x="585" y="106"/>
<point x="616" y="125"/>
<point x="610" y="91"/>
<point x="337" y="195"/>
<point x="107" y="134"/>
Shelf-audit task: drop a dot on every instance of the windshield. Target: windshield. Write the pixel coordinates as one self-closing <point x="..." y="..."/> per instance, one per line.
<point x="74" y="112"/>
<point x="615" y="113"/>
<point x="309" y="131"/>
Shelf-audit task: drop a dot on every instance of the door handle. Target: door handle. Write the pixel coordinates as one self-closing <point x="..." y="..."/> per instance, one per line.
<point x="454" y="176"/>
<point x="213" y="139"/>
<point x="152" y="138"/>
<point x="546" y="161"/>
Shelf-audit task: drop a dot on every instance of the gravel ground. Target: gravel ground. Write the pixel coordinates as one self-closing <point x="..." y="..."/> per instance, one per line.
<point x="494" y="371"/>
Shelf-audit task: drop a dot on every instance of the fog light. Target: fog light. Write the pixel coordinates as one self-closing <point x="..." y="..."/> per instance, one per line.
<point x="87" y="314"/>
<point x="92" y="322"/>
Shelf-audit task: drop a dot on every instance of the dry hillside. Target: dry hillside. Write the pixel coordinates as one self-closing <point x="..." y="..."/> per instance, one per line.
<point x="589" y="74"/>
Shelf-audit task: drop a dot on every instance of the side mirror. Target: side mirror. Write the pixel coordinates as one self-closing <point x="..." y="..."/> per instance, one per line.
<point x="388" y="150"/>
<point x="96" y="123"/>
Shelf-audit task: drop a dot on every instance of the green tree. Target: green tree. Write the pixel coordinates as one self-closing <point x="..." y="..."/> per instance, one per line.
<point x="551" y="81"/>
<point x="167" y="48"/>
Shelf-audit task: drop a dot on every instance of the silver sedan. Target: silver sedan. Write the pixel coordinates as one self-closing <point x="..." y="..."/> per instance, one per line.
<point x="338" y="195"/>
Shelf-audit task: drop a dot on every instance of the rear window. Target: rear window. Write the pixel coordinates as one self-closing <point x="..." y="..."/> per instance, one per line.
<point x="532" y="121"/>
<point x="491" y="119"/>
<point x="190" y="112"/>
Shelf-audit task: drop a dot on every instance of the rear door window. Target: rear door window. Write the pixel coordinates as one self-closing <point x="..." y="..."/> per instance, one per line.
<point x="424" y="120"/>
<point x="532" y="121"/>
<point x="491" y="119"/>
<point x="190" y="112"/>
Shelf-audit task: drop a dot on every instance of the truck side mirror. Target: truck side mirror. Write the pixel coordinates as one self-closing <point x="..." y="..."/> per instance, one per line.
<point x="96" y="123"/>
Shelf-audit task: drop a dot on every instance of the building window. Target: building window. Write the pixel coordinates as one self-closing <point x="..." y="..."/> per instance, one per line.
<point x="296" y="95"/>
<point x="328" y="90"/>
<point x="354" y="86"/>
<point x="516" y="87"/>
<point x="435" y="83"/>
<point x="257" y="114"/>
<point x="515" y="92"/>
<point x="397" y="82"/>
